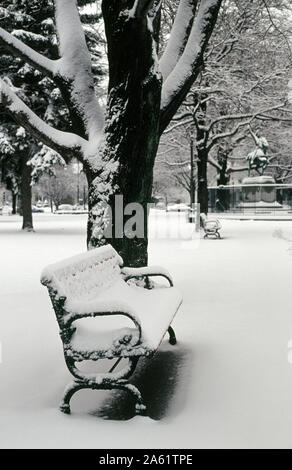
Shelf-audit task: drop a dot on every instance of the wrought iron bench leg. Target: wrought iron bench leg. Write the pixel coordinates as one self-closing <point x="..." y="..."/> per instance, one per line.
<point x="140" y="408"/>
<point x="172" y="337"/>
<point x="75" y="386"/>
<point x="106" y="383"/>
<point x="68" y="394"/>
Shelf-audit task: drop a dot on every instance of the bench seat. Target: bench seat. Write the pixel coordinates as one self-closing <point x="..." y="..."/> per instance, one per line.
<point x="154" y="310"/>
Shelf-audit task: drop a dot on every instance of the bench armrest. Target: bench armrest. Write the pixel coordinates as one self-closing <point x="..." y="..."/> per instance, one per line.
<point x="103" y="310"/>
<point x="129" y="273"/>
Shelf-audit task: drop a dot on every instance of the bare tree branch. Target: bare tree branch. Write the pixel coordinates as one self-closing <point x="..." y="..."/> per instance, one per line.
<point x="234" y="117"/>
<point x="176" y="164"/>
<point x="179" y="124"/>
<point x="277" y="28"/>
<point x="214" y="163"/>
<point x="223" y="135"/>
<point x="178" y="117"/>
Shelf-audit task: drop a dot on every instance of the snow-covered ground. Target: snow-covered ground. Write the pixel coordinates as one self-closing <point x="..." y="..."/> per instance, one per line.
<point x="227" y="383"/>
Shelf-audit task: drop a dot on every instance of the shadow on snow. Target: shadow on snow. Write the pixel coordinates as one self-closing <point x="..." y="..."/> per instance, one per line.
<point x="158" y="380"/>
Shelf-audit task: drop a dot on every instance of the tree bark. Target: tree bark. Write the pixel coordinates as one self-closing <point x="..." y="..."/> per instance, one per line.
<point x="26" y="197"/>
<point x="132" y="131"/>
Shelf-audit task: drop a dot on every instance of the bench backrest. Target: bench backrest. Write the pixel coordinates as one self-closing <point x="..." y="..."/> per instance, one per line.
<point x="212" y="224"/>
<point x="84" y="276"/>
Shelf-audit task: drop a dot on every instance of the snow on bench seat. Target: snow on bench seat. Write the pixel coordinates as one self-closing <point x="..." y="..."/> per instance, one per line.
<point x="153" y="309"/>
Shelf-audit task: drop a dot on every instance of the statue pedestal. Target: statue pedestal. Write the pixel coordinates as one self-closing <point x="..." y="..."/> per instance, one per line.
<point x="258" y="180"/>
<point x="259" y="192"/>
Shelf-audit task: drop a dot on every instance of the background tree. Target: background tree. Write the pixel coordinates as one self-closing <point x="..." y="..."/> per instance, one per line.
<point x="32" y="22"/>
<point x="177" y="163"/>
<point x="62" y="185"/>
<point x="243" y="81"/>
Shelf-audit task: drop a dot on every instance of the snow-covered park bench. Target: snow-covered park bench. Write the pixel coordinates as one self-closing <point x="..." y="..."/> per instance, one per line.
<point x="102" y="316"/>
<point x="211" y="226"/>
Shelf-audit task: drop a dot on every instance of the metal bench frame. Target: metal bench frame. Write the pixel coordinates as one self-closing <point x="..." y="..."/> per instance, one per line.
<point x="100" y="381"/>
<point x="214" y="231"/>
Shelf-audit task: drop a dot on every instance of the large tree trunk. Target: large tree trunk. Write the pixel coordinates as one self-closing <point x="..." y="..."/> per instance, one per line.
<point x="132" y="131"/>
<point x="26" y="208"/>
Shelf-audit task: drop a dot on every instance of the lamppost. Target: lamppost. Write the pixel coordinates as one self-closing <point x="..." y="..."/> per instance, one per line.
<point x="192" y="181"/>
<point x="193" y="213"/>
<point x="78" y="191"/>
<point x="84" y="196"/>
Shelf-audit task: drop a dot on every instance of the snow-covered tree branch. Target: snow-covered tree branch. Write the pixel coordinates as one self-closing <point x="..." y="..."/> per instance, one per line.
<point x="64" y="143"/>
<point x="179" y="36"/>
<point x="186" y="70"/>
<point x="11" y="44"/>
<point x="74" y="69"/>
<point x="141" y="8"/>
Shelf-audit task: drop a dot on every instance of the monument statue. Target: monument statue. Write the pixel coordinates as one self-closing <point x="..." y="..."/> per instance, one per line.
<point x="257" y="159"/>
